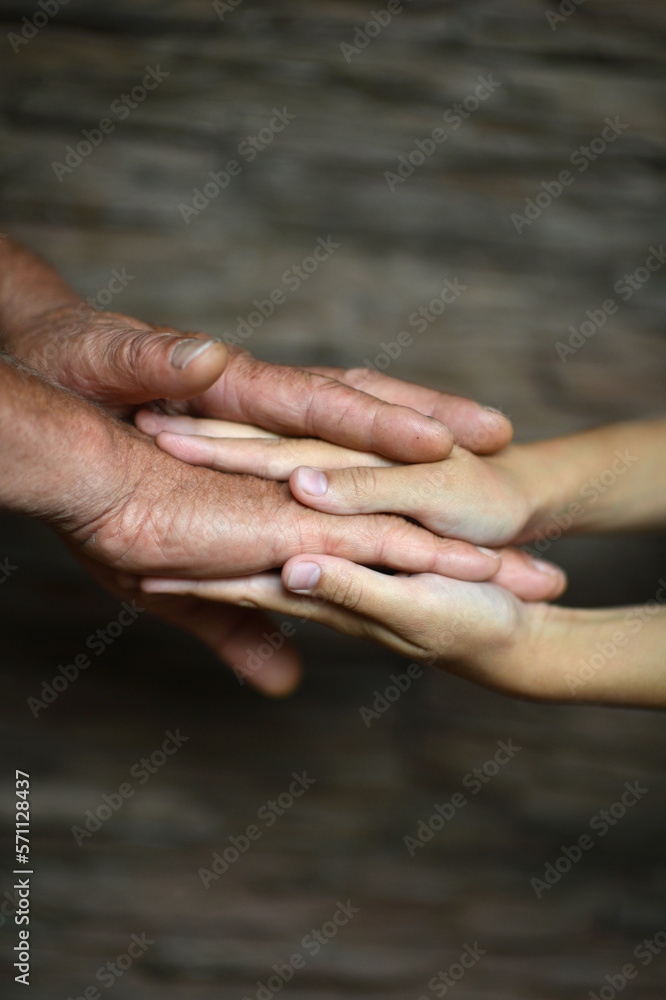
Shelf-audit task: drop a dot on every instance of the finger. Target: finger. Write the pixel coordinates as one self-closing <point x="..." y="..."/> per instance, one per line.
<point x="528" y="578"/>
<point x="265" y="590"/>
<point x="237" y="636"/>
<point x="116" y="360"/>
<point x="482" y="430"/>
<point x="152" y="423"/>
<point x="417" y="491"/>
<point x="271" y="459"/>
<point x="450" y="497"/>
<point x="405" y="607"/>
<point x="221" y="525"/>
<point x="242" y="638"/>
<point x="300" y="403"/>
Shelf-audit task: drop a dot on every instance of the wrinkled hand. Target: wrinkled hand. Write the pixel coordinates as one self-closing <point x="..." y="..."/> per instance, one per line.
<point x="159" y="516"/>
<point x="334" y="405"/>
<point x="116" y="360"/>
<point x="415" y="490"/>
<point x="120" y="362"/>
<point x="480" y="500"/>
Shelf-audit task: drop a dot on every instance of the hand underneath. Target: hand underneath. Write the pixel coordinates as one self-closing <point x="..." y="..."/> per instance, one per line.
<point x="462" y="495"/>
<point x="477" y="630"/>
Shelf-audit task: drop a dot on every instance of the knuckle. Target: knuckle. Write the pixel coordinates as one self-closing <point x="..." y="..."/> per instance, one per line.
<point x="358" y="482"/>
<point x="343" y="589"/>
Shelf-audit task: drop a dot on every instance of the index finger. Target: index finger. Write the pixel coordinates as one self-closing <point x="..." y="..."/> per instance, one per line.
<point x="304" y="403"/>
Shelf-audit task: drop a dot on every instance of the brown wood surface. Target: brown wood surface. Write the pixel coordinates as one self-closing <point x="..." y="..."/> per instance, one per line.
<point x="324" y="176"/>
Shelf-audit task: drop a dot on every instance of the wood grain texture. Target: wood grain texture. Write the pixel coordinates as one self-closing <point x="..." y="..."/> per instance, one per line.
<point x="323" y="176"/>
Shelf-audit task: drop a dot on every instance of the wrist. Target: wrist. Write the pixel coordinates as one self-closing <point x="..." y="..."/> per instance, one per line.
<point x="608" y="479"/>
<point x="611" y="656"/>
<point x="532" y="490"/>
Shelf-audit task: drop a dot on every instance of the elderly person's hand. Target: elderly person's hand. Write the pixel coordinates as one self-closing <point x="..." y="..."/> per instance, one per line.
<point x="120" y="361"/>
<point x="124" y="504"/>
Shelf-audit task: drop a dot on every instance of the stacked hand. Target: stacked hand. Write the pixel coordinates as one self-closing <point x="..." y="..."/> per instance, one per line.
<point x="490" y="631"/>
<point x="280" y="488"/>
<point x="127" y="509"/>
<point x="471" y="626"/>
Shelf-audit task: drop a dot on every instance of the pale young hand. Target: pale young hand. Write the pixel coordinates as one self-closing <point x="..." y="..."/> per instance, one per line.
<point x="480" y="630"/>
<point x="241" y="448"/>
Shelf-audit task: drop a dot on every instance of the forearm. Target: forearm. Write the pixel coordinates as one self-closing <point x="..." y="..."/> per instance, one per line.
<point x="614" y="656"/>
<point x="53" y="448"/>
<point x="609" y="479"/>
<point x="28" y="288"/>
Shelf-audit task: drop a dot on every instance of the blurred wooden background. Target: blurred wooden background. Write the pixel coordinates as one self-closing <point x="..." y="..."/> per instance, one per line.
<point x="322" y="176"/>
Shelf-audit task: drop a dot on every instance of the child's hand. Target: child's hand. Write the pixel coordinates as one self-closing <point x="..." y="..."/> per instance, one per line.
<point x="478" y="630"/>
<point x="484" y="486"/>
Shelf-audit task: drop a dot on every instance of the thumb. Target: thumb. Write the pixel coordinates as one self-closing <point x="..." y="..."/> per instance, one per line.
<point x="119" y="361"/>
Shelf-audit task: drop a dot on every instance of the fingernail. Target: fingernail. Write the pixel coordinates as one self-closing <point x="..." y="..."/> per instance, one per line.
<point x="303" y="577"/>
<point x="489" y="552"/>
<point x="188" y="350"/>
<point x="312" y="481"/>
<point x="546" y="567"/>
<point x="492" y="409"/>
